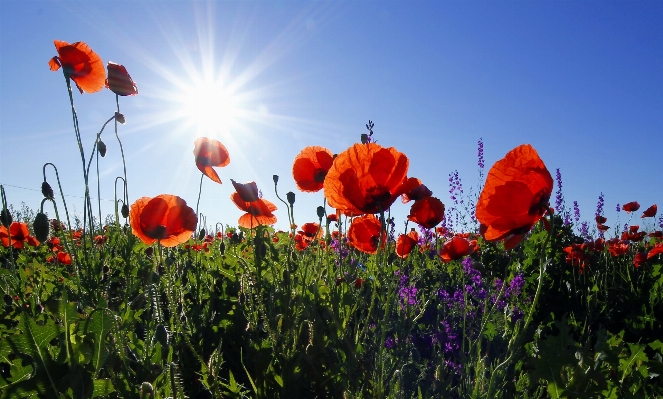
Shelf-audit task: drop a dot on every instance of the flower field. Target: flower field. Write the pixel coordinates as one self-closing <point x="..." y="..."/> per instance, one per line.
<point x="501" y="293"/>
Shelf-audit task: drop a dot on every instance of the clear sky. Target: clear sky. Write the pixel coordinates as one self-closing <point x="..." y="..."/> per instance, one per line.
<point x="581" y="81"/>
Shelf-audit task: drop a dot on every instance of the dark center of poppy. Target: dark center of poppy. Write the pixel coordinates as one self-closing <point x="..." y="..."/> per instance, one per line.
<point x="319" y="175"/>
<point x="377" y="196"/>
<point x="157" y="232"/>
<point x="540" y="204"/>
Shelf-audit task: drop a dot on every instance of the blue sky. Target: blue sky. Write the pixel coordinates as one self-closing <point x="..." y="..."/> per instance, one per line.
<point x="581" y="81"/>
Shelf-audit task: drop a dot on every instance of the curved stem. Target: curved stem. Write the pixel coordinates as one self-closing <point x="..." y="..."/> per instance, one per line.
<point x="200" y="190"/>
<point x="57" y="177"/>
<point x="124" y="165"/>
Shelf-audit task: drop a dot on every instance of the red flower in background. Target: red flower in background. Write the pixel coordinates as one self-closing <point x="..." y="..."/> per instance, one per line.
<point x="60" y="257"/>
<point x="366" y="178"/>
<point x="417" y="192"/>
<point x="405" y="243"/>
<point x="248" y="191"/>
<point x="618" y="247"/>
<point x="650" y="212"/>
<point x="639" y="259"/>
<point x="600" y="219"/>
<point x="81" y="64"/>
<point x="658" y="249"/>
<point x="364" y="234"/>
<point x="165" y="218"/>
<point x="119" y="81"/>
<point x="210" y="153"/>
<point x="310" y="231"/>
<point x="631" y="206"/>
<point x="457" y="248"/>
<point x="575" y="255"/>
<point x="310" y="168"/>
<point x="19" y="235"/>
<point x="427" y="212"/>
<point x="258" y="212"/>
<point x="515" y="196"/>
<point x="603" y="227"/>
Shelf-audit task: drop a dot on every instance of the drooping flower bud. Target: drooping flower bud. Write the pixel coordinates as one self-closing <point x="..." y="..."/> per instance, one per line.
<point x="6" y="218"/>
<point x="120" y="118"/>
<point x="201" y="234"/>
<point x="125" y="211"/>
<point x="46" y="190"/>
<point x="40" y="226"/>
<point x="276" y="178"/>
<point x="101" y="147"/>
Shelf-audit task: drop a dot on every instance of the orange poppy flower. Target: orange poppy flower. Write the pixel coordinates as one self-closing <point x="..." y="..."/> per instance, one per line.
<point x="165" y="218"/>
<point x="631" y="206"/>
<point x="427" y="212"/>
<point x="650" y="212"/>
<point x="419" y="191"/>
<point x="248" y="191"/>
<point x="457" y="248"/>
<point x="405" y="243"/>
<point x="19" y="234"/>
<point x="209" y="153"/>
<point x="515" y="196"/>
<point x="258" y="212"/>
<point x="366" y="178"/>
<point x="310" y="231"/>
<point x="310" y="168"/>
<point x="119" y="81"/>
<point x="364" y="234"/>
<point x="658" y="249"/>
<point x="81" y="64"/>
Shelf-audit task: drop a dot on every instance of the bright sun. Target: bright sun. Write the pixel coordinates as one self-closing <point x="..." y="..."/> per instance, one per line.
<point x="210" y="108"/>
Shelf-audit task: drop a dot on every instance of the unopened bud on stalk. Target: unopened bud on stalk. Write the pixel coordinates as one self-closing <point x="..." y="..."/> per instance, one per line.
<point x="6" y="218"/>
<point x="321" y="212"/>
<point x="46" y="190"/>
<point x="291" y="197"/>
<point x="161" y="335"/>
<point x="40" y="227"/>
<point x="101" y="147"/>
<point x="146" y="388"/>
<point x="276" y="179"/>
<point x="119" y="117"/>
<point x="125" y="211"/>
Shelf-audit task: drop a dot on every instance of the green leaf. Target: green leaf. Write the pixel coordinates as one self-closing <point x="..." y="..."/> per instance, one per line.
<point x="637" y="358"/>
<point x="102" y="387"/>
<point x="99" y="324"/>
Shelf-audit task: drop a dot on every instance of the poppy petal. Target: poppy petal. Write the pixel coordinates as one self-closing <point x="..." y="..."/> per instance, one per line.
<point x="209" y="172"/>
<point x="83" y="65"/>
<point x="310" y="168"/>
<point x="650" y="212"/>
<point x="248" y="192"/>
<point x="119" y="81"/>
<point x="427" y="212"/>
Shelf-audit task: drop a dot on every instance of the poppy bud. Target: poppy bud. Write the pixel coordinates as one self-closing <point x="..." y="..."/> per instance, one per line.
<point x="276" y="179"/>
<point x="101" y="147"/>
<point x="201" y="234"/>
<point x="321" y="212"/>
<point x="120" y="118"/>
<point x="46" y="190"/>
<point x="146" y="388"/>
<point x="6" y="218"/>
<point x="222" y="247"/>
<point x="364" y="138"/>
<point x="291" y="197"/>
<point x="40" y="227"/>
<point x="125" y="211"/>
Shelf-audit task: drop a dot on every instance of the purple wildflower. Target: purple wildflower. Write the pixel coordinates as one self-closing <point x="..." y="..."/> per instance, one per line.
<point x="618" y="208"/>
<point x="559" y="196"/>
<point x="576" y="211"/>
<point x="480" y="156"/>
<point x="599" y="206"/>
<point x="389" y="342"/>
<point x="584" y="230"/>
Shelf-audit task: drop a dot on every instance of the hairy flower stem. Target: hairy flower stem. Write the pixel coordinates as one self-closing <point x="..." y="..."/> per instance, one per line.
<point x="200" y="190"/>
<point x="124" y="164"/>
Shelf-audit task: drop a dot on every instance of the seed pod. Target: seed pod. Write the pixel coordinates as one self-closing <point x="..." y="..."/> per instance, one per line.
<point x="6" y="218"/>
<point x="291" y="197"/>
<point x="364" y="138"/>
<point x="125" y="211"/>
<point x="46" y="190"/>
<point x="161" y="335"/>
<point x="101" y="147"/>
<point x="321" y="212"/>
<point x="120" y="118"/>
<point x="41" y="226"/>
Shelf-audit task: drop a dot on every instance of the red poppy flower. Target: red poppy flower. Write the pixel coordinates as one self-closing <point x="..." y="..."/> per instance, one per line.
<point x="19" y="234"/>
<point x="210" y="153"/>
<point x="310" y="231"/>
<point x="366" y="178"/>
<point x="600" y="219"/>
<point x="419" y="191"/>
<point x="364" y="233"/>
<point x="165" y="218"/>
<point x="301" y="243"/>
<point x="639" y="259"/>
<point x="650" y="212"/>
<point x="631" y="206"/>
<point x="618" y="247"/>
<point x="575" y="255"/>
<point x="457" y="248"/>
<point x="405" y="243"/>
<point x="248" y="191"/>
<point x="603" y="227"/>
<point x="515" y="196"/>
<point x="81" y="64"/>
<point x="658" y="249"/>
<point x="427" y="212"/>
<point x="258" y="212"/>
<point x="634" y="228"/>
<point x="310" y="168"/>
<point x="656" y="234"/>
<point x="119" y="81"/>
